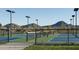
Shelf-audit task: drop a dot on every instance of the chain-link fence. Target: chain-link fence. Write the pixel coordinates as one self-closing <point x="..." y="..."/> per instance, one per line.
<point x="41" y="36"/>
<point x="57" y="36"/>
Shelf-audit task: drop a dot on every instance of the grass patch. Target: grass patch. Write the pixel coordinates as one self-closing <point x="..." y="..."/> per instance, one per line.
<point x="3" y="42"/>
<point x="5" y="35"/>
<point x="47" y="47"/>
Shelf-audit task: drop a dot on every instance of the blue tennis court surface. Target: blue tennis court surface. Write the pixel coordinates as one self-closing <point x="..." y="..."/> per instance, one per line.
<point x="61" y="38"/>
<point x="6" y="38"/>
<point x="18" y="36"/>
<point x="31" y="35"/>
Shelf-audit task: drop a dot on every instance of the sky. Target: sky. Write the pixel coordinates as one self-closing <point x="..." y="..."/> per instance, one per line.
<point x="45" y="16"/>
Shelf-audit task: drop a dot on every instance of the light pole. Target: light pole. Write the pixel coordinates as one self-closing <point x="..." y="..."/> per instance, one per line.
<point x="27" y="27"/>
<point x="68" y="35"/>
<point x="71" y="25"/>
<point x="73" y="22"/>
<point x="10" y="28"/>
<point x="37" y="23"/>
<point x="76" y="9"/>
<point x="36" y="31"/>
<point x="70" y="21"/>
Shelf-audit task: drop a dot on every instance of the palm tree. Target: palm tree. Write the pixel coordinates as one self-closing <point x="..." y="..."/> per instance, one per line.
<point x="76" y="9"/>
<point x="27" y="27"/>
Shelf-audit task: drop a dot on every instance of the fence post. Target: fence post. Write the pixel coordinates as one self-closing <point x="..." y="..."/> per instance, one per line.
<point x="8" y="34"/>
<point x="68" y="36"/>
<point x="35" y="37"/>
<point x="26" y="36"/>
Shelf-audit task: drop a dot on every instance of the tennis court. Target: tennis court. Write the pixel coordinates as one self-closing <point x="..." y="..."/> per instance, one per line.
<point x="64" y="38"/>
<point x="22" y="37"/>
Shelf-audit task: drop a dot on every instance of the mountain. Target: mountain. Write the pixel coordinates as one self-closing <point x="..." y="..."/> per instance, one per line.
<point x="60" y="24"/>
<point x="12" y="25"/>
<point x="0" y="25"/>
<point x="32" y="25"/>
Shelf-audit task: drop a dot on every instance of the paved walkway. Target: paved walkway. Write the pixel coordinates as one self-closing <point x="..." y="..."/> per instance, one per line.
<point x="14" y="46"/>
